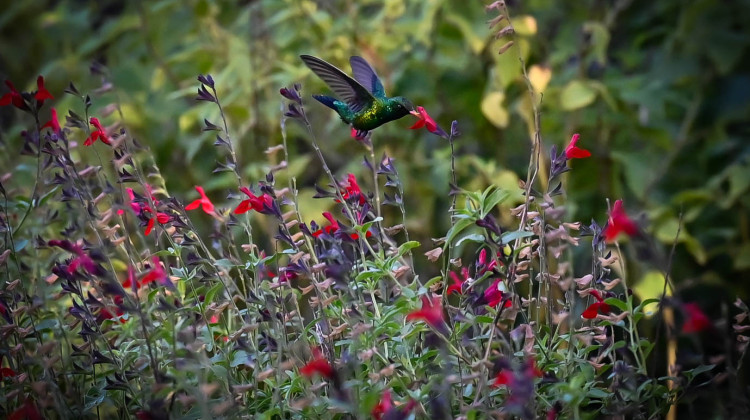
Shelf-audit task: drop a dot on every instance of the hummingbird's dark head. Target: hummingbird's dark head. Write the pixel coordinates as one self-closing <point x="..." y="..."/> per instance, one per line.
<point x="402" y="105"/>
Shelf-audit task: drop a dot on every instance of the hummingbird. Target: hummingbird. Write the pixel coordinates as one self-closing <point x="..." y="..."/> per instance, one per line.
<point x="361" y="102"/>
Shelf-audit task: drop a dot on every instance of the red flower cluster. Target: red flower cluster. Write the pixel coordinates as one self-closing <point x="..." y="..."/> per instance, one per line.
<point x="493" y="296"/>
<point x="318" y="365"/>
<point x="619" y="222"/>
<point x="598" y="307"/>
<point x="262" y="204"/>
<point x="15" y="98"/>
<point x="203" y="202"/>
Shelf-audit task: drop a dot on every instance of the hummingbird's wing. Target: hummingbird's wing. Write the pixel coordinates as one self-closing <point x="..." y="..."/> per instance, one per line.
<point x="347" y="89"/>
<point x="365" y="74"/>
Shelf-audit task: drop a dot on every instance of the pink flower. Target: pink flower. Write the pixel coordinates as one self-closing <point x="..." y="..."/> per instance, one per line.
<point x="431" y="313"/>
<point x="574" y="152"/>
<point x="696" y="320"/>
<point x="619" y="222"/>
<point x="204" y="202"/>
<point x="53" y="124"/>
<point x="99" y="134"/>
<point x="598" y="307"/>
<point x="318" y="365"/>
<point x="262" y="204"/>
<point x="42" y="93"/>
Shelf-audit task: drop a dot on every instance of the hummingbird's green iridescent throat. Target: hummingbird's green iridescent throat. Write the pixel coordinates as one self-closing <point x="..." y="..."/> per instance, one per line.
<point x="361" y="101"/>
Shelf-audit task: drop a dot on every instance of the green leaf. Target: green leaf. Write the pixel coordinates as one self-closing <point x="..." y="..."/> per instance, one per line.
<point x="212" y="293"/>
<point x="509" y="237"/>
<point x="457" y="228"/>
<point x="577" y="94"/>
<point x="472" y="237"/>
<point x="491" y="201"/>
<point x="406" y="246"/>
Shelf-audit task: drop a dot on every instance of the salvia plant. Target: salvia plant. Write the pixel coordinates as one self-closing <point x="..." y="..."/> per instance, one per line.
<point x="113" y="304"/>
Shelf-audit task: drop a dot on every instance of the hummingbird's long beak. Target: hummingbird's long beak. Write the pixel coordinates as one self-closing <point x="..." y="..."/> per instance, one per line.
<point x="415" y="113"/>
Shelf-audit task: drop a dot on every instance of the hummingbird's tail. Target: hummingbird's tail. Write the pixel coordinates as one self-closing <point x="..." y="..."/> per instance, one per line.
<point x="327" y="101"/>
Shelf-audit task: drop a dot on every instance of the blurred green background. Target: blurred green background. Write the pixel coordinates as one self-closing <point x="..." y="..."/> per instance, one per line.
<point x="659" y="90"/>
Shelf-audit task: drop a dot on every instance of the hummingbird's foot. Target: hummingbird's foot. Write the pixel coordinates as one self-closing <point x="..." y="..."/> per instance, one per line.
<point x="360" y="135"/>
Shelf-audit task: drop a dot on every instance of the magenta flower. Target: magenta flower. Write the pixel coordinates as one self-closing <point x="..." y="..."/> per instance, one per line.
<point x="81" y="259"/>
<point x="574" y="152"/>
<point x="204" y="202"/>
<point x="493" y="296"/>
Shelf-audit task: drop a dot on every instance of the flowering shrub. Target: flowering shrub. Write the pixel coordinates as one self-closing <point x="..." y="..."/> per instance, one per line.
<point x="114" y="303"/>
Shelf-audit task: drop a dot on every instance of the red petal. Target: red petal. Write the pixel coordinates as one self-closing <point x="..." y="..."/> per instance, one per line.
<point x="577" y="153"/>
<point x="417" y="125"/>
<point x="6" y="99"/>
<point x="150" y="225"/>
<point x="243" y="207"/>
<point x="194" y="205"/>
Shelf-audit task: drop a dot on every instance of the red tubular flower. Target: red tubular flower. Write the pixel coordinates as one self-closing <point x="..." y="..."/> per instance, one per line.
<point x="574" y="152"/>
<point x="493" y="296"/>
<point x="204" y="202"/>
<point x="318" y="365"/>
<point x="27" y="411"/>
<point x="99" y="134"/>
<point x="42" y="93"/>
<point x="258" y="203"/>
<point x="386" y="409"/>
<point x="81" y="259"/>
<point x="157" y="274"/>
<point x="131" y="280"/>
<point x="13" y="97"/>
<point x="696" y="320"/>
<point x="457" y="286"/>
<point x="619" y="222"/>
<point x="162" y="218"/>
<point x="598" y="307"/>
<point x="425" y="120"/>
<point x="333" y="227"/>
<point x="504" y="377"/>
<point x="7" y="373"/>
<point x="351" y="190"/>
<point x="431" y="313"/>
<point x="53" y="124"/>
